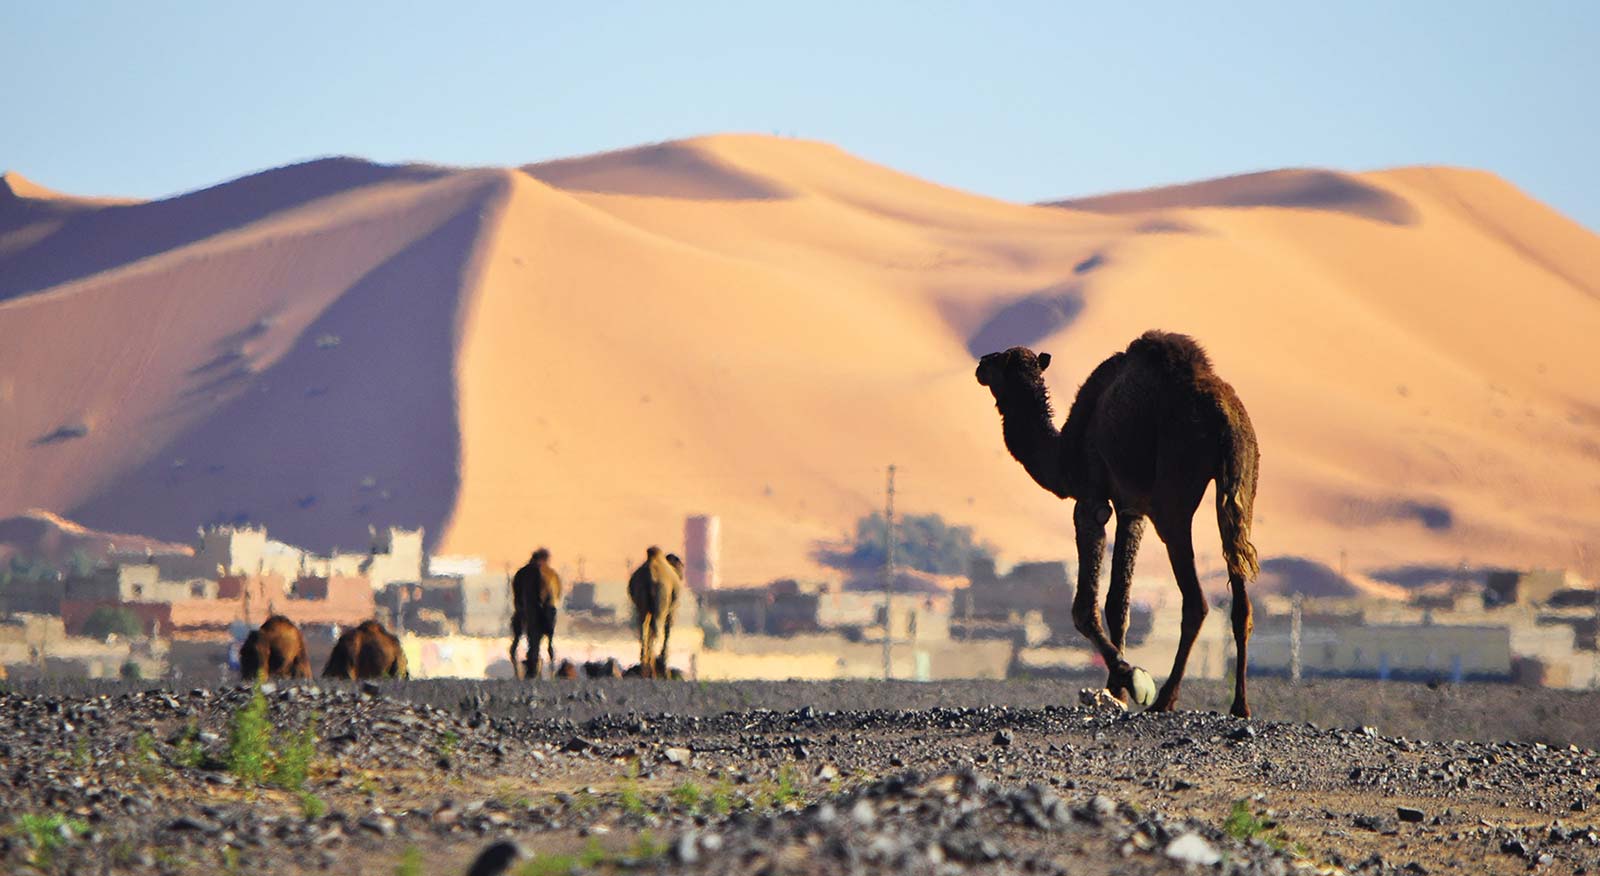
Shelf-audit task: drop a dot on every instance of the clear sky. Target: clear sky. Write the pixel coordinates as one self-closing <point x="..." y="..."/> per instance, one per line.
<point x="1025" y="101"/>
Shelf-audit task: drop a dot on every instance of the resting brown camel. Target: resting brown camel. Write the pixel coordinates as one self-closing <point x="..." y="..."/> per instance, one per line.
<point x="607" y="668"/>
<point x="367" y="651"/>
<point x="535" y="593"/>
<point x="653" y="588"/>
<point x="275" y="650"/>
<point x="1149" y="429"/>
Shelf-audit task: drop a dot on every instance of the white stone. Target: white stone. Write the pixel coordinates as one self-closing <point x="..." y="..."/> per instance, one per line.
<point x="1192" y="848"/>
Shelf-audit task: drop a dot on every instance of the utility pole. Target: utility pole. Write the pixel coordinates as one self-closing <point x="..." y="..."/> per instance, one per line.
<point x="1294" y="637"/>
<point x="888" y="579"/>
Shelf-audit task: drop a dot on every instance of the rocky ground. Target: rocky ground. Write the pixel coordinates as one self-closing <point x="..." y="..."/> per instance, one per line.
<point x="604" y="776"/>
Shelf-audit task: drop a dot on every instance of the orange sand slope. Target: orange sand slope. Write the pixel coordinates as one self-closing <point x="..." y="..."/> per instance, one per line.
<point x="581" y="352"/>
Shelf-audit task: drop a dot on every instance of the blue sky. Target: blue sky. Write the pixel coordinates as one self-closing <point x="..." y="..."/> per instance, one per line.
<point x="1024" y="101"/>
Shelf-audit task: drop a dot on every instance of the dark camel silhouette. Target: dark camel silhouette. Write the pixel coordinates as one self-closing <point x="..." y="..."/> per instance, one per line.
<point x="275" y="650"/>
<point x="366" y="651"/>
<point x="653" y="588"/>
<point x="535" y="594"/>
<point x="1148" y="430"/>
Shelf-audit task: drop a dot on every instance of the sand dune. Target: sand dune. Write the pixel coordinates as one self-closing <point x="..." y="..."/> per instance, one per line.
<point x="579" y="353"/>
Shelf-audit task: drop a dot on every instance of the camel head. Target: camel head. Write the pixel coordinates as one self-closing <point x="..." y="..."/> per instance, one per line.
<point x="652" y="552"/>
<point x="540" y="556"/>
<point x="1018" y="368"/>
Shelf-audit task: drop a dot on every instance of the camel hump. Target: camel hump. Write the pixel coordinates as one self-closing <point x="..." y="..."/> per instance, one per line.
<point x="1172" y="351"/>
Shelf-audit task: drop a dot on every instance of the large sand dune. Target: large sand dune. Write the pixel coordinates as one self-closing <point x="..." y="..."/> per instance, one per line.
<point x="581" y="352"/>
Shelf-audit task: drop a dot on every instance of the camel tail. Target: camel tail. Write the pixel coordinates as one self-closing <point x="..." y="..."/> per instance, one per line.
<point x="1236" y="493"/>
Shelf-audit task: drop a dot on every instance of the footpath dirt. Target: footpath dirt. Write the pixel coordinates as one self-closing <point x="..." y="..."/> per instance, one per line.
<point x="625" y="775"/>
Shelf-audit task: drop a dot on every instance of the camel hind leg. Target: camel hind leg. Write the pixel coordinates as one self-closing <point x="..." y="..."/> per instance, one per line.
<point x="301" y="668"/>
<point x="516" y="637"/>
<point x="647" y="643"/>
<point x="1180" y="550"/>
<point x="666" y="634"/>
<point x="549" y="613"/>
<point x="1242" y="624"/>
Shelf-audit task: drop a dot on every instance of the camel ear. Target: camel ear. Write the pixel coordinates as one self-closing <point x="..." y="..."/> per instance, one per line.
<point x="1044" y="361"/>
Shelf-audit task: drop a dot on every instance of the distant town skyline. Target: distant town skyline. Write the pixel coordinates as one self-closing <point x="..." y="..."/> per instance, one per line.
<point x="1029" y="102"/>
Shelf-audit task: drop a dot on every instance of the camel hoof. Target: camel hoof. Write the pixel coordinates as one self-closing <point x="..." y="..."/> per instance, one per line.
<point x="1239" y="710"/>
<point x="1141" y="688"/>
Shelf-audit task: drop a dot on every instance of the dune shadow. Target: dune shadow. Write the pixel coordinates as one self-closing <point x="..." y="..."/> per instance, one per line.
<point x="665" y="170"/>
<point x="1433" y="516"/>
<point x="1288" y="575"/>
<point x="1322" y="190"/>
<point x="90" y="241"/>
<point x="61" y="433"/>
<point x="385" y="408"/>
<point x="1027" y="320"/>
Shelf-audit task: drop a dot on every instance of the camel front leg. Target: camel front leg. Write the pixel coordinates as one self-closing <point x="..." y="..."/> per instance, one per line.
<point x="1130" y="528"/>
<point x="1180" y="550"/>
<point x="1089" y="520"/>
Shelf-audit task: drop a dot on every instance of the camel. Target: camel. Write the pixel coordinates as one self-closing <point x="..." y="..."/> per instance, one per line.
<point x="367" y="651"/>
<point x="535" y="593"/>
<point x="654" y="587"/>
<point x="1149" y="429"/>
<point x="275" y="650"/>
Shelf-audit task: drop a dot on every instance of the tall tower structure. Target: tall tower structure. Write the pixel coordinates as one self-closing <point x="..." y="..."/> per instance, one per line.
<point x="702" y="552"/>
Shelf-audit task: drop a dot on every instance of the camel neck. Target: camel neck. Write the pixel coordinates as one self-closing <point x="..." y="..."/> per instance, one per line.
<point x="1033" y="439"/>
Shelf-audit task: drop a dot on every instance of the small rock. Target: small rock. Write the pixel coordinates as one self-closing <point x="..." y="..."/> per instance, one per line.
<point x="827" y="773"/>
<point x="1410" y="815"/>
<point x="678" y="756"/>
<point x="1242" y="733"/>
<point x="370" y="688"/>
<point x="378" y="823"/>
<point x="189" y="822"/>
<point x="686" y="850"/>
<point x="1514" y="847"/>
<point x="1192" y="848"/>
<point x="1002" y="738"/>
<point x="577" y="744"/>
<point x="497" y="859"/>
<point x="863" y="814"/>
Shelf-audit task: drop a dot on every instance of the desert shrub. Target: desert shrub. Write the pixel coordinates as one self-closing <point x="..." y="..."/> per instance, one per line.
<point x="256" y="756"/>
<point x="113" y="619"/>
<point x="922" y="541"/>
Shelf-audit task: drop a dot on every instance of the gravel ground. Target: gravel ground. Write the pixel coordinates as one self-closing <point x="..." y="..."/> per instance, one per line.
<point x="790" y="777"/>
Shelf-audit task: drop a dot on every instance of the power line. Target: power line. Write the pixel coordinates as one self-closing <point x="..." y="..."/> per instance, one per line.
<point x="888" y="579"/>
